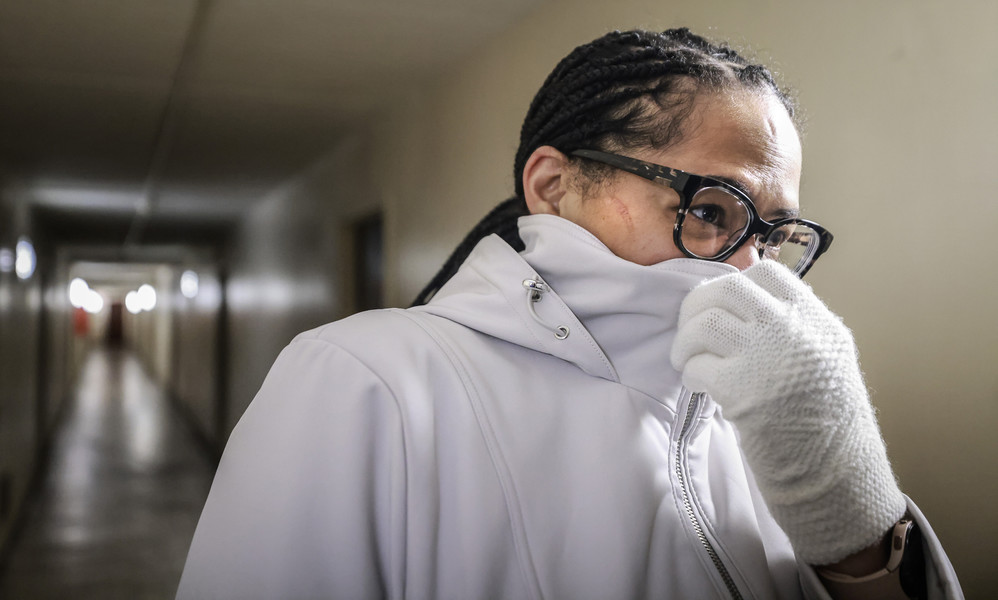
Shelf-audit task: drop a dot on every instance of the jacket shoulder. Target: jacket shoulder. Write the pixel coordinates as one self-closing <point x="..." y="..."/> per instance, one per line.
<point x="364" y="327"/>
<point x="401" y="347"/>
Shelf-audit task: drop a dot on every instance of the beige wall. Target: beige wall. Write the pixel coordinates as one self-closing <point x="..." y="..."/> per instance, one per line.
<point x="20" y="311"/>
<point x="900" y="158"/>
<point x="289" y="265"/>
<point x="195" y="376"/>
<point x="150" y="333"/>
<point x="64" y="351"/>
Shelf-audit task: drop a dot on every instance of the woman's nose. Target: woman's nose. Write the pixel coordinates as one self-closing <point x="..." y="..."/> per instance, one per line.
<point x="746" y="256"/>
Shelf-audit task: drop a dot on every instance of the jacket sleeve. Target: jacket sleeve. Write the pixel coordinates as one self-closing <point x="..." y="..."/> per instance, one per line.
<point x="308" y="500"/>
<point x="941" y="580"/>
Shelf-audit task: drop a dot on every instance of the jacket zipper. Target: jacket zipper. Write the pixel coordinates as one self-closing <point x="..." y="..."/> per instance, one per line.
<point x="693" y="408"/>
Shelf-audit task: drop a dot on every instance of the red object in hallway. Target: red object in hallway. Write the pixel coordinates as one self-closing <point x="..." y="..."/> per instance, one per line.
<point x="81" y="322"/>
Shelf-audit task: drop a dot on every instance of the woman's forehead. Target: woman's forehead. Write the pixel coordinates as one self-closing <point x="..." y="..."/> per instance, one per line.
<point x="746" y="127"/>
<point x="746" y="137"/>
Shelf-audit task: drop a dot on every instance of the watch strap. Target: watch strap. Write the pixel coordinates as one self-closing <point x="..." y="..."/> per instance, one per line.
<point x="885" y="583"/>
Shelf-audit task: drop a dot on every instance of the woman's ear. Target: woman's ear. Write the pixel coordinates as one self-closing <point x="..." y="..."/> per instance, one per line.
<point x="544" y="177"/>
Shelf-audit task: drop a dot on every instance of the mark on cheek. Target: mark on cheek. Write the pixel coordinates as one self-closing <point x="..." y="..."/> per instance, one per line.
<point x="623" y="213"/>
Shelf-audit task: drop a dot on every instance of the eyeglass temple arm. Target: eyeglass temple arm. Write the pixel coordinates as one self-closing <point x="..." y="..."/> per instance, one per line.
<point x="672" y="177"/>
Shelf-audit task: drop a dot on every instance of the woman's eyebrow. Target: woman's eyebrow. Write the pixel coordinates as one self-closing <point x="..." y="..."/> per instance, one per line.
<point x="741" y="187"/>
<point x="774" y="215"/>
<point x="783" y="213"/>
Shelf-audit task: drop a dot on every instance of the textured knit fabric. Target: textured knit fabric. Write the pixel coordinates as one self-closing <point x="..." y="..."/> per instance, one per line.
<point x="785" y="371"/>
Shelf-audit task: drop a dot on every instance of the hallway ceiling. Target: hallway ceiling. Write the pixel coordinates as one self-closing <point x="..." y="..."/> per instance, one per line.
<point x="183" y="111"/>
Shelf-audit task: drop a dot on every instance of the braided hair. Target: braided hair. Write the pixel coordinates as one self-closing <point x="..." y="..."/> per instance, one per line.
<point x="623" y="91"/>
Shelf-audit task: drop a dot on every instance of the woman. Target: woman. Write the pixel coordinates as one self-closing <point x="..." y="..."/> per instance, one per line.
<point x="524" y="432"/>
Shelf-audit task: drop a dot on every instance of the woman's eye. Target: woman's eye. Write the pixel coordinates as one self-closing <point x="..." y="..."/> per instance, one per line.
<point x="709" y="213"/>
<point x="777" y="238"/>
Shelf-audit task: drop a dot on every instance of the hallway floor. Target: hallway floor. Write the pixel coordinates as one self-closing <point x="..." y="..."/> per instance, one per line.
<point x="121" y="495"/>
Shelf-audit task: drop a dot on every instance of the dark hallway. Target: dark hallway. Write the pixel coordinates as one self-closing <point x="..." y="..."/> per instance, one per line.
<point x="120" y="496"/>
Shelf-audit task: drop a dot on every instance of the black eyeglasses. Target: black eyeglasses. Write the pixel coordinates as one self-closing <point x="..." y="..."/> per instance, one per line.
<point x="716" y="218"/>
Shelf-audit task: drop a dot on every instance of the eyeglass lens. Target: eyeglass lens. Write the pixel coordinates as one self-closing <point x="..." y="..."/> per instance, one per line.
<point x="714" y="222"/>
<point x="717" y="220"/>
<point x="793" y="244"/>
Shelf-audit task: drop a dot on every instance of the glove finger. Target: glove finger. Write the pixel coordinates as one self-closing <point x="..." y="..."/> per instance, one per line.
<point x="701" y="372"/>
<point x="714" y="331"/>
<point x="734" y="293"/>
<point x="778" y="280"/>
<point x="705" y="373"/>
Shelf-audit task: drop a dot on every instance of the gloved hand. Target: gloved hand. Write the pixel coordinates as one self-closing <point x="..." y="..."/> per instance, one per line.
<point x="785" y="371"/>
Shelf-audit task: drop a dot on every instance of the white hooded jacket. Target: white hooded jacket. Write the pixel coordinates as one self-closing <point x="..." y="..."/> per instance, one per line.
<point x="465" y="450"/>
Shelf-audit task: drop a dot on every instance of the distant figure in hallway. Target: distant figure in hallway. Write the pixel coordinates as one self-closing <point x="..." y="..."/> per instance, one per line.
<point x="618" y="386"/>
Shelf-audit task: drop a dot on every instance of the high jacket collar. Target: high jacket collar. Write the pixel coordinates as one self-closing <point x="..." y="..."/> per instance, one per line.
<point x="621" y="316"/>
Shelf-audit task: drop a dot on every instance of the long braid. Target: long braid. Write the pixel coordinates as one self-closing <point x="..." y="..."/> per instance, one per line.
<point x="622" y="91"/>
<point x="501" y="220"/>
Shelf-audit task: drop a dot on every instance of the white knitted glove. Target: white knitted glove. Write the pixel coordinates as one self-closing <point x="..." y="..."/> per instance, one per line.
<point x="786" y="373"/>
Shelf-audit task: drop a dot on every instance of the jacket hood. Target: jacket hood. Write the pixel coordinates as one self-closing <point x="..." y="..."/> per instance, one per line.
<point x="620" y="316"/>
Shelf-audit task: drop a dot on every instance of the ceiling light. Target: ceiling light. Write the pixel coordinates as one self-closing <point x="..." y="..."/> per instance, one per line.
<point x="6" y="260"/>
<point x="78" y="291"/>
<point x="24" y="258"/>
<point x="189" y="284"/>
<point x="147" y="297"/>
<point x="132" y="302"/>
<point x="93" y="303"/>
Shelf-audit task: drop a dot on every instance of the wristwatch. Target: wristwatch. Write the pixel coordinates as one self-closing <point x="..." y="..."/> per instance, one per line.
<point x="906" y="566"/>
